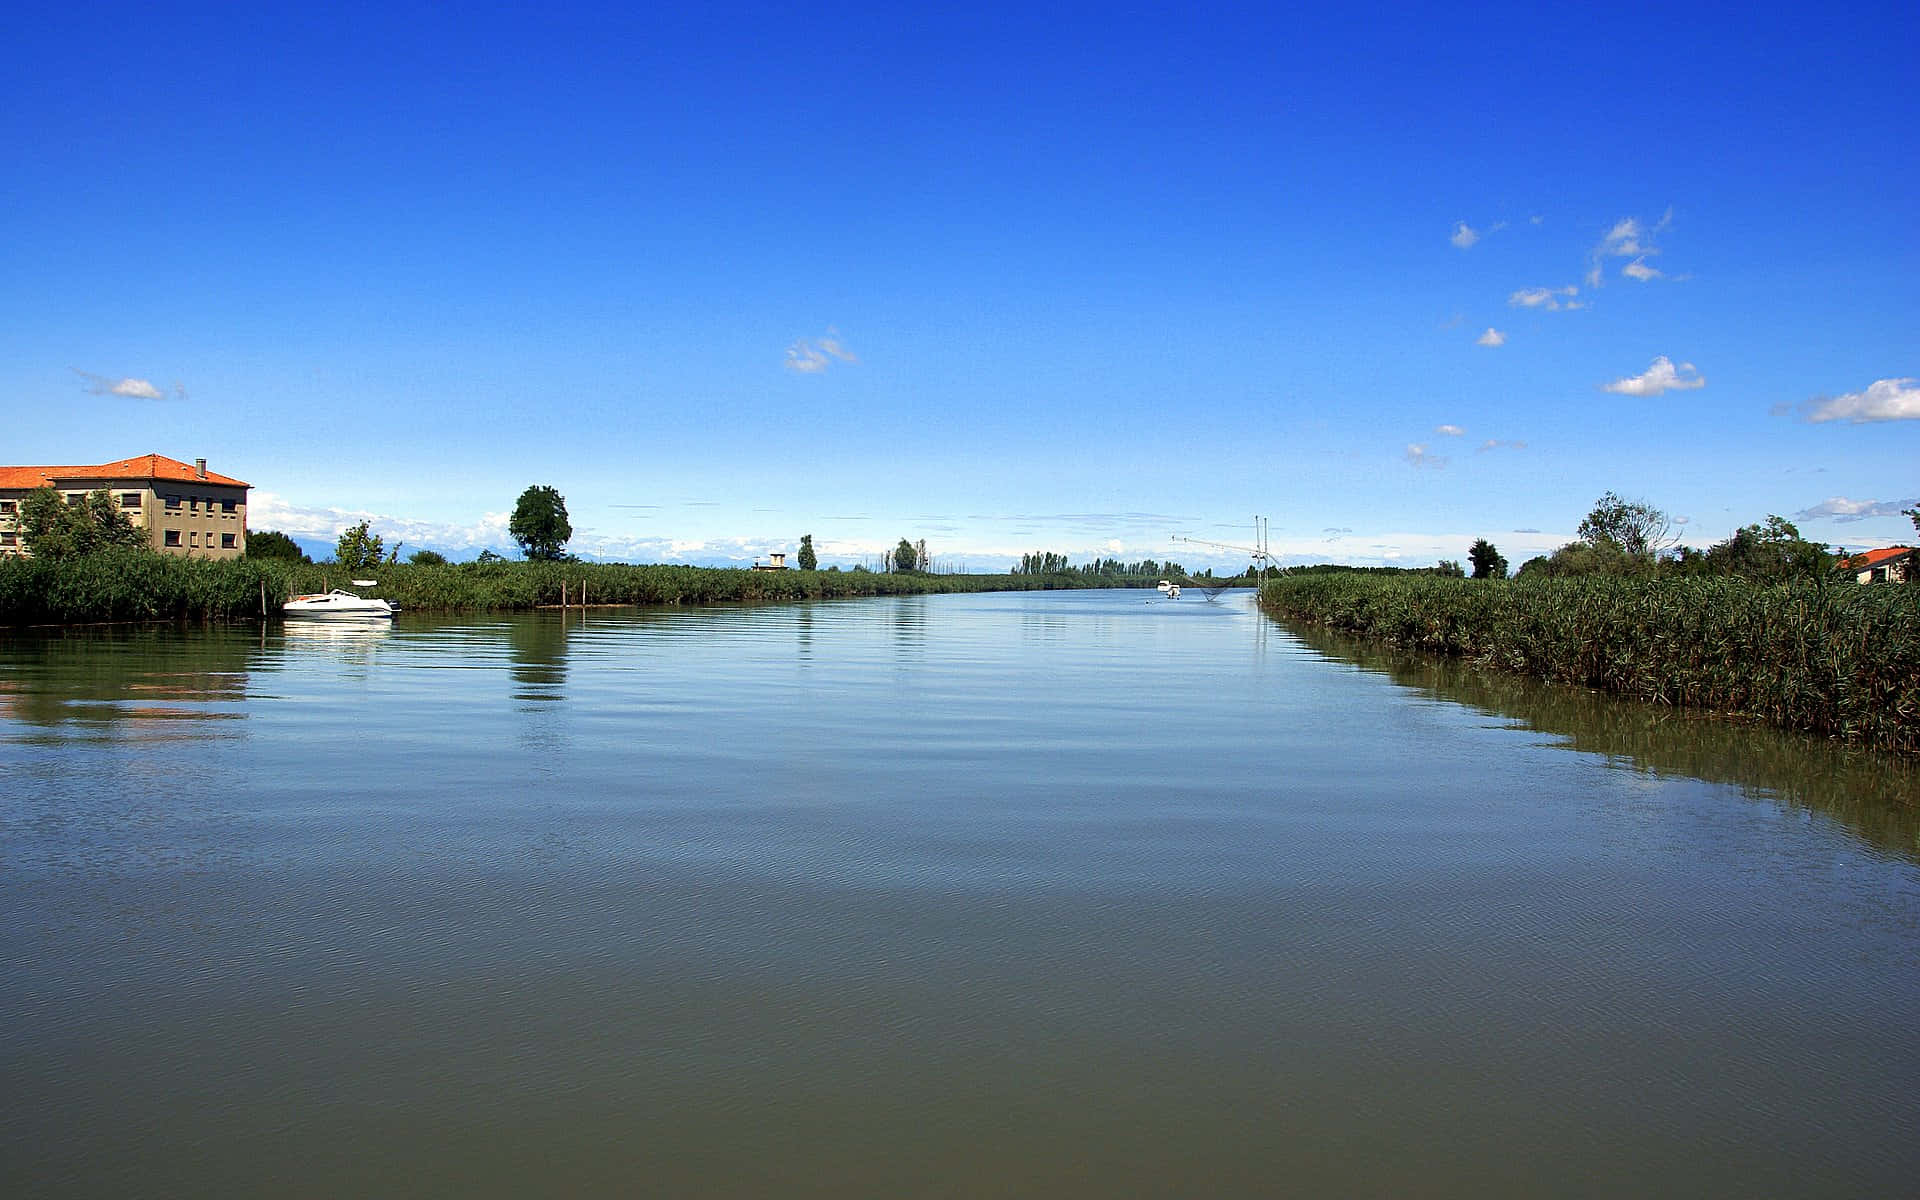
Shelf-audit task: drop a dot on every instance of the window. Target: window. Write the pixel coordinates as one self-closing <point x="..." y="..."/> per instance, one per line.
<point x="227" y="506"/>
<point x="7" y="506"/>
<point x="173" y="504"/>
<point x="193" y="505"/>
<point x="173" y="537"/>
<point x="8" y="539"/>
<point x="74" y="499"/>
<point x="193" y="539"/>
<point x="227" y="542"/>
<point x="129" y="499"/>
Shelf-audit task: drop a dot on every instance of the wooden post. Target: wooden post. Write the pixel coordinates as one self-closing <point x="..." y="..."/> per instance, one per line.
<point x="563" y="595"/>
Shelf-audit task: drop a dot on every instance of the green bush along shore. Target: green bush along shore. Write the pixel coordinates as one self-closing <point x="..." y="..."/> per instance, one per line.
<point x="140" y="585"/>
<point x="1836" y="659"/>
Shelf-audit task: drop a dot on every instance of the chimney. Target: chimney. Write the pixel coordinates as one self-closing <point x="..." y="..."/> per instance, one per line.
<point x="200" y="468"/>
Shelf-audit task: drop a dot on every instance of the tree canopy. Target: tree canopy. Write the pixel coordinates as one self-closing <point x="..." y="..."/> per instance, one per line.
<point x="359" y="548"/>
<point x="905" y="557"/>
<point x="1487" y="561"/>
<point x="539" y="524"/>
<point x="271" y="543"/>
<point x="427" y="558"/>
<point x="808" y="560"/>
<point x="1634" y="526"/>
<point x="53" y="528"/>
<point x="1773" y="552"/>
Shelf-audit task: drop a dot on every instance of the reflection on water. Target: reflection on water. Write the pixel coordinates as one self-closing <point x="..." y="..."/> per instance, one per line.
<point x="1065" y="894"/>
<point x="537" y="647"/>
<point x="121" y="681"/>
<point x="1877" y="796"/>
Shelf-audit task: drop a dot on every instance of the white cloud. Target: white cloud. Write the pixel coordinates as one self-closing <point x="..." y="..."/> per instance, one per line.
<point x="1492" y="337"/>
<point x="810" y="356"/>
<point x="1662" y="376"/>
<point x="268" y="510"/>
<point x="1623" y="240"/>
<point x="1497" y="444"/>
<point x="1448" y="430"/>
<point x="136" y="389"/>
<point x="1550" y="299"/>
<point x="1629" y="238"/>
<point x="1884" y="400"/>
<point x="1843" y="510"/>
<point x="1418" y="456"/>
<point x="1464" y="235"/>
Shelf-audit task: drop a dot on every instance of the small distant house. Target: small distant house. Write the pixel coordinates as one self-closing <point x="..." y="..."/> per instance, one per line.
<point x="185" y="510"/>
<point x="1894" y="564"/>
<point x="775" y="562"/>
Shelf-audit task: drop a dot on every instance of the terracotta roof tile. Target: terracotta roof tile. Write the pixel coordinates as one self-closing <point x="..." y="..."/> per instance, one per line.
<point x="145" y="466"/>
<point x="1873" y="558"/>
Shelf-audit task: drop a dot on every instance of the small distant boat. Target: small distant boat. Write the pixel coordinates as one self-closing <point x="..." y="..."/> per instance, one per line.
<point x="338" y="603"/>
<point x="1168" y="589"/>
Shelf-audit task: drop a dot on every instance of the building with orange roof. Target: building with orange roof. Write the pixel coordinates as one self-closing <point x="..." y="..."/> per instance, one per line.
<point x="1891" y="564"/>
<point x="186" y="510"/>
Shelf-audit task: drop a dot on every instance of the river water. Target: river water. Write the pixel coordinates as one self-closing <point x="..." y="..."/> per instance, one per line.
<point x="1063" y="894"/>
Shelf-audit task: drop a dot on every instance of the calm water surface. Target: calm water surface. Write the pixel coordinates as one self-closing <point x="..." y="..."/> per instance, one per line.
<point x="1062" y="894"/>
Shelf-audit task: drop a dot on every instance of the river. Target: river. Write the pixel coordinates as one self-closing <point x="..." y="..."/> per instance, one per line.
<point x="1066" y="894"/>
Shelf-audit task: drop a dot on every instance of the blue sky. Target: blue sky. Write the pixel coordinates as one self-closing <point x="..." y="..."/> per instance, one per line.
<point x="1005" y="278"/>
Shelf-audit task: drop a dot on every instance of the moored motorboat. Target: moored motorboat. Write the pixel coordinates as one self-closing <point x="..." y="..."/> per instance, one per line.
<point x="338" y="603"/>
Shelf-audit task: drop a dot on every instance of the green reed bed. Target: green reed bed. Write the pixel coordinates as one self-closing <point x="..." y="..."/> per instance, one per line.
<point x="136" y="585"/>
<point x="1839" y="660"/>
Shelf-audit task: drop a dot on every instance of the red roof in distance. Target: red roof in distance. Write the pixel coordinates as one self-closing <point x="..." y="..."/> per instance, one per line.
<point x="145" y="466"/>
<point x="1873" y="558"/>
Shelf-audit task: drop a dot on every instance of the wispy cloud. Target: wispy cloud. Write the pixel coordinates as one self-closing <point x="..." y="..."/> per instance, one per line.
<point x="1884" y="400"/>
<point x="1448" y="430"/>
<point x="1549" y="299"/>
<point x="1662" y="376"/>
<point x="1492" y="337"/>
<point x="1843" y="510"/>
<point x="1418" y="456"/>
<point x="1464" y="236"/>
<point x="1498" y="444"/>
<point x="268" y="510"/>
<point x="810" y="356"/>
<point x="134" y="389"/>
<point x="1629" y="237"/>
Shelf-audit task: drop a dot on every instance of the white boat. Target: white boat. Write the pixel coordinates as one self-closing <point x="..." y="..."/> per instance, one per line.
<point x="338" y="603"/>
<point x="1170" y="590"/>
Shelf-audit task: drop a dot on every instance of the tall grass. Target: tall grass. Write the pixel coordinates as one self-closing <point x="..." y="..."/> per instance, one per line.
<point x="139" y="585"/>
<point x="1838" y="660"/>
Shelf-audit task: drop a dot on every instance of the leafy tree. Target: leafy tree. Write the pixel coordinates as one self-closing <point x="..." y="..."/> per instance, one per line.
<point x="53" y="528"/>
<point x="905" y="556"/>
<point x="1043" y="563"/>
<point x="1451" y="569"/>
<point x="1591" y="558"/>
<point x="271" y="543"/>
<point x="1487" y="562"/>
<point x="488" y="556"/>
<point x="1635" y="527"/>
<point x="808" y="560"/>
<point x="539" y="523"/>
<point x="1771" y="553"/>
<point x="359" y="548"/>
<point x="427" y="558"/>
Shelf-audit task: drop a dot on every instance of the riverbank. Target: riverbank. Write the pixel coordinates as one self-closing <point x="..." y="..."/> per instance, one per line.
<point x="1839" y="660"/>
<point x="139" y="586"/>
